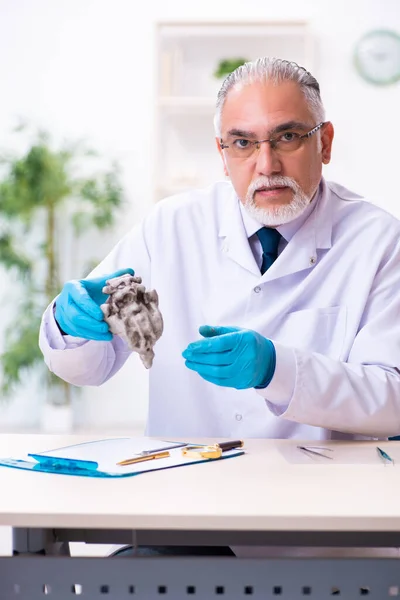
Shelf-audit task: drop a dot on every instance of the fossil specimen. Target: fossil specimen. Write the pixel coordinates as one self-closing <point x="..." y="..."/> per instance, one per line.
<point x="132" y="313"/>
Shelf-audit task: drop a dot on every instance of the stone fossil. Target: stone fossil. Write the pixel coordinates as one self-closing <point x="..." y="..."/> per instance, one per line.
<point x="132" y="313"/>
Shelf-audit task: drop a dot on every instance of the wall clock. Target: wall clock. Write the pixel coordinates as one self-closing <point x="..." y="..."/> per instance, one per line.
<point x="377" y="57"/>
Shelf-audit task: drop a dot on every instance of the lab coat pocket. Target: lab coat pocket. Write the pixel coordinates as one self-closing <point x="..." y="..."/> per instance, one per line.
<point x="316" y="329"/>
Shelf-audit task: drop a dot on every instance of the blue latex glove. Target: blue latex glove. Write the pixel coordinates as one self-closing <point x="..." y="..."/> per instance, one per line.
<point x="232" y="357"/>
<point x="78" y="309"/>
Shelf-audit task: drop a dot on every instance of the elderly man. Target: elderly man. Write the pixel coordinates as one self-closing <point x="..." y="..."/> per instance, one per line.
<point x="293" y="284"/>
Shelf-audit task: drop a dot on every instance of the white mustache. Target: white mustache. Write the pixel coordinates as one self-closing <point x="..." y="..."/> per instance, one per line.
<point x="272" y="182"/>
<point x="276" y="215"/>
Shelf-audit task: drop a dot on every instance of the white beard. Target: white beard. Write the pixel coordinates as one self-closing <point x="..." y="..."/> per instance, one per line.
<point x="276" y="215"/>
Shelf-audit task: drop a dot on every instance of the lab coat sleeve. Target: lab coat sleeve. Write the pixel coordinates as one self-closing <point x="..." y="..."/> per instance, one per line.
<point x="281" y="388"/>
<point x="359" y="395"/>
<point x="88" y="362"/>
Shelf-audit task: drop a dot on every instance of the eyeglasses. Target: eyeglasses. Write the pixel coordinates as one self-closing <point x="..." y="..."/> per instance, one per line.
<point x="285" y="142"/>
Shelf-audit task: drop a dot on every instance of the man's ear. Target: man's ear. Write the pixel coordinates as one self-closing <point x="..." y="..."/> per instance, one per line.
<point x="222" y="155"/>
<point x="326" y="140"/>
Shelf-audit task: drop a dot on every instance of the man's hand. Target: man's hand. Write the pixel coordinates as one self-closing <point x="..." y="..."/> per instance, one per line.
<point x="232" y="357"/>
<point x="78" y="311"/>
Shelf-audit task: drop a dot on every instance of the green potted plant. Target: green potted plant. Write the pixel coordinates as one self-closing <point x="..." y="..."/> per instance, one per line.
<point x="44" y="192"/>
<point x="227" y="65"/>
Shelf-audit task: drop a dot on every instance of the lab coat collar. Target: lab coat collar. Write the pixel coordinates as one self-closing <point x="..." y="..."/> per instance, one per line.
<point x="236" y="244"/>
<point x="305" y="235"/>
<point x="323" y="217"/>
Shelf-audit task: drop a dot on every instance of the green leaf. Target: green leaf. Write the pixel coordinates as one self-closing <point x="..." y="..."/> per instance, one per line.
<point x="104" y="194"/>
<point x="36" y="180"/>
<point x="11" y="259"/>
<point x="22" y="352"/>
<point x="81" y="221"/>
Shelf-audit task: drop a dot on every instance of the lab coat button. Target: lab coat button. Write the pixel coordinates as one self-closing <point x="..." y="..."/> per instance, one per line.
<point x="257" y="289"/>
<point x="239" y="417"/>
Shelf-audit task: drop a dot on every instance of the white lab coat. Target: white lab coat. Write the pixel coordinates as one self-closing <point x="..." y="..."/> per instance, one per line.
<point x="330" y="303"/>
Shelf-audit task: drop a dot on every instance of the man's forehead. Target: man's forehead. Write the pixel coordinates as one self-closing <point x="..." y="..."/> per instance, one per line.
<point x="264" y="104"/>
<point x="267" y="90"/>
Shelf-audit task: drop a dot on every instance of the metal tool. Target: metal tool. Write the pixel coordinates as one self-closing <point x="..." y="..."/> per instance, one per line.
<point x="384" y="456"/>
<point x="154" y="450"/>
<point x="314" y="450"/>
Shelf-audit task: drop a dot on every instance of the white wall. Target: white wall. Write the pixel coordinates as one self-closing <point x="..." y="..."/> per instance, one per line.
<point x="86" y="68"/>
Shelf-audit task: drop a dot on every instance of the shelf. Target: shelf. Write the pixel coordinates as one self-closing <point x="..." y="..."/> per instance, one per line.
<point x="187" y="103"/>
<point x="214" y="30"/>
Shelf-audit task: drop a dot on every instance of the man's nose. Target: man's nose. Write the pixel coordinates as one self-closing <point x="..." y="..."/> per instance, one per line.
<point x="268" y="161"/>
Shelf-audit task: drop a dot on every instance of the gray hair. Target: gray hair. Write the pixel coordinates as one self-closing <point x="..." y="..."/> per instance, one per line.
<point x="276" y="70"/>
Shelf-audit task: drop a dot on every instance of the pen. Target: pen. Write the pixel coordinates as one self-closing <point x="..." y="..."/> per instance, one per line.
<point x="230" y="445"/>
<point x="146" y="452"/>
<point x="131" y="461"/>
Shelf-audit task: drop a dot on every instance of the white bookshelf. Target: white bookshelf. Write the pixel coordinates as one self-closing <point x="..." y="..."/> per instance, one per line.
<point x="194" y="104"/>
<point x="187" y="55"/>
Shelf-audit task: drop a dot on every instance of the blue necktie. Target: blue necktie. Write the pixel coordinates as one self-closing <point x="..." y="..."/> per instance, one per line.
<point x="269" y="239"/>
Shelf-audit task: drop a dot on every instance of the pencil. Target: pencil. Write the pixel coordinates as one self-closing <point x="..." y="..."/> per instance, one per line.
<point x="131" y="461"/>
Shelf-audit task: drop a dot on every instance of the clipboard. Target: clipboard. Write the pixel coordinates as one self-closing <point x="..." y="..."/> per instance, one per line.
<point x="99" y="458"/>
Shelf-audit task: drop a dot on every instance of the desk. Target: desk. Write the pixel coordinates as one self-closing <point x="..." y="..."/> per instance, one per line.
<point x="257" y="499"/>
